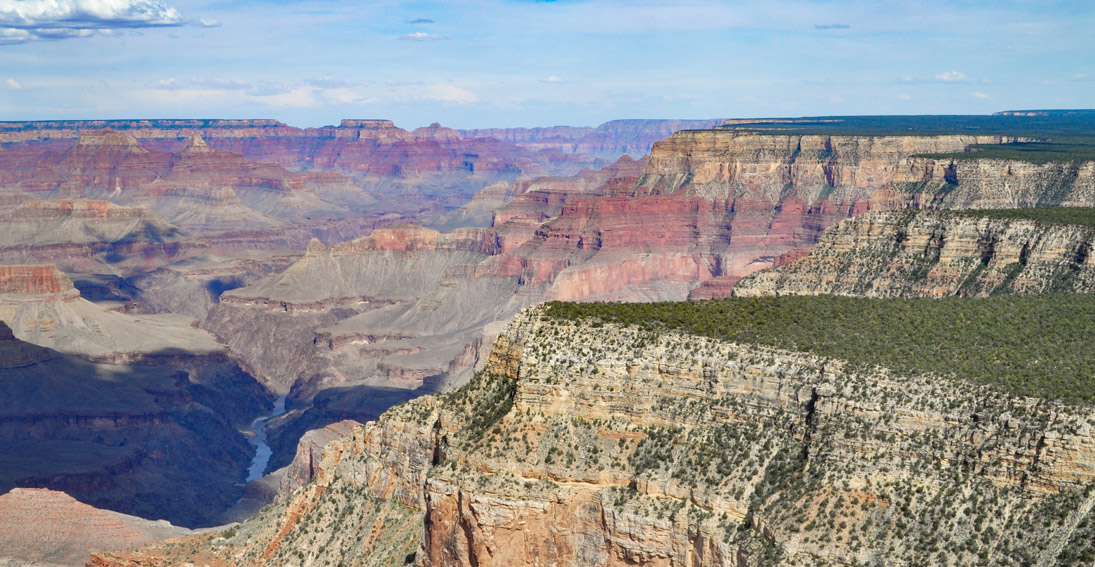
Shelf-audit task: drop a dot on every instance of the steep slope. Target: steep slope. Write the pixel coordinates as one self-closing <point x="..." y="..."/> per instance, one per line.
<point x="41" y="306"/>
<point x="590" y="442"/>
<point x="704" y="210"/>
<point x="152" y="440"/>
<point x="138" y="414"/>
<point x="29" y="520"/>
<point x="935" y="253"/>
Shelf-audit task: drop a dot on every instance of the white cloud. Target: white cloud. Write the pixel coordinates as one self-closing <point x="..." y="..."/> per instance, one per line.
<point x="904" y="97"/>
<point x="13" y="85"/>
<point x="209" y="23"/>
<point x="980" y="95"/>
<point x="952" y="77"/>
<point x="551" y="79"/>
<point x="222" y="92"/>
<point x="450" y="93"/>
<point x="29" y="20"/>
<point x="422" y="36"/>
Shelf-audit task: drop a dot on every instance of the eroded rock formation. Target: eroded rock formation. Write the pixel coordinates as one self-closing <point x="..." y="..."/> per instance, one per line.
<point x="41" y="526"/>
<point x="936" y="253"/>
<point x="608" y="445"/>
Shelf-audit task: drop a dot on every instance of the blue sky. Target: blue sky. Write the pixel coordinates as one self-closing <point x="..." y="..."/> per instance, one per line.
<point x="533" y="63"/>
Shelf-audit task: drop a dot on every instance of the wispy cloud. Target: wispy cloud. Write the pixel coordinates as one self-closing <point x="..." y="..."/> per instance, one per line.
<point x="208" y="23"/>
<point x="451" y="93"/>
<point x="952" y="77"/>
<point x="29" y="20"/>
<point x="980" y="95"/>
<point x="831" y="26"/>
<point x="422" y="36"/>
<point x="418" y="21"/>
<point x="13" y="85"/>
<point x="551" y="79"/>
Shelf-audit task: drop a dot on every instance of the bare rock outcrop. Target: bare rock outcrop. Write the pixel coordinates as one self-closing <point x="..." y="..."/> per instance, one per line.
<point x="608" y="445"/>
<point x="936" y="253"/>
<point x="38" y="525"/>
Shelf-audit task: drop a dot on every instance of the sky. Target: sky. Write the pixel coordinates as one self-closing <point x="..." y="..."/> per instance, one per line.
<point x="505" y="63"/>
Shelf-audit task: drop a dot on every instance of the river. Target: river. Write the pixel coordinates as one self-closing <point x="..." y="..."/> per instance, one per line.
<point x="258" y="439"/>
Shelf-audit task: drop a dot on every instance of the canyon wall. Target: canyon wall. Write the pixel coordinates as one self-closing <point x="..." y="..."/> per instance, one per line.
<point x="704" y="210"/>
<point x="132" y="413"/>
<point x="610" y="140"/>
<point x="599" y="444"/>
<point x="936" y="253"/>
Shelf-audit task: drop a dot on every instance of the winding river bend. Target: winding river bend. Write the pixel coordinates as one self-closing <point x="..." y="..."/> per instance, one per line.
<point x="258" y="439"/>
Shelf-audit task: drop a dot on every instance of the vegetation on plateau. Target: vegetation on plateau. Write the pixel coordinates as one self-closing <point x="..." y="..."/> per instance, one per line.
<point x="1025" y="345"/>
<point x="1052" y="136"/>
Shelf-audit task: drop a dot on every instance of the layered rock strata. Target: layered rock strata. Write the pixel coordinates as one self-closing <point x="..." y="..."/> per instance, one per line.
<point x="706" y="209"/>
<point x="606" y="445"/>
<point x="609" y="140"/>
<point x="40" y="526"/>
<point x="137" y="414"/>
<point x="935" y="253"/>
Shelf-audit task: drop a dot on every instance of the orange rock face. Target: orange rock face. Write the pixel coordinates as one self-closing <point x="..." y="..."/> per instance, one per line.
<point x="34" y="280"/>
<point x="37" y="524"/>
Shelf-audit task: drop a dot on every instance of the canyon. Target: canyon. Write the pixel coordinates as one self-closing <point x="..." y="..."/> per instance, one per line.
<point x="205" y="268"/>
<point x="588" y="442"/>
<point x="703" y="210"/>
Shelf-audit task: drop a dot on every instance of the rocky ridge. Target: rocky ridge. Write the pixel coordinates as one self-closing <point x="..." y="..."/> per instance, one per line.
<point x="609" y="140"/>
<point x="605" y="445"/>
<point x="704" y="210"/>
<point x="935" y="253"/>
<point x="42" y="527"/>
<point x="135" y="413"/>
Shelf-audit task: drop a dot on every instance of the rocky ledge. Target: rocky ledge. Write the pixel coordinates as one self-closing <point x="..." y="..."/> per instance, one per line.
<point x="590" y="443"/>
<point x="937" y="253"/>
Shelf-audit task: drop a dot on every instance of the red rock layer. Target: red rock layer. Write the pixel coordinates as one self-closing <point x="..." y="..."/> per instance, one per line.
<point x="38" y="524"/>
<point x="34" y="280"/>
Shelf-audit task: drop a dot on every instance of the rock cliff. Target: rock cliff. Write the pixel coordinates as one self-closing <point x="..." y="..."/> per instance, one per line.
<point x="704" y="210"/>
<point x="155" y="439"/>
<point x="590" y="443"/>
<point x="134" y="413"/>
<point x="609" y="140"/>
<point x="936" y="253"/>
<point x="40" y="526"/>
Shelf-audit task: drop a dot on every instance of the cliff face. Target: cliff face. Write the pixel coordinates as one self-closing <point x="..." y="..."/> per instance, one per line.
<point x="706" y="209"/>
<point x="935" y="253"/>
<point x="605" y="445"/>
<point x="995" y="183"/>
<point x="779" y="192"/>
<point x="609" y="140"/>
<point x="434" y="159"/>
<point x="45" y="280"/>
<point x="155" y="438"/>
<point x="29" y="519"/>
<point x="727" y="163"/>
<point x="136" y="413"/>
